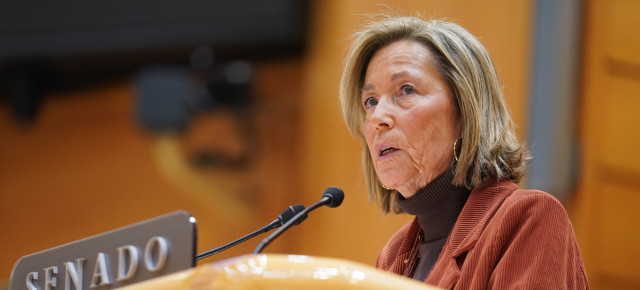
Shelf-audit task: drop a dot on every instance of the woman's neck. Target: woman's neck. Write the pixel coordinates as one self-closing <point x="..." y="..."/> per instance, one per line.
<point x="437" y="206"/>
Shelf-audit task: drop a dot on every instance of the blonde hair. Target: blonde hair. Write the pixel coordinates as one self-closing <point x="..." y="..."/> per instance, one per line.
<point x="488" y="149"/>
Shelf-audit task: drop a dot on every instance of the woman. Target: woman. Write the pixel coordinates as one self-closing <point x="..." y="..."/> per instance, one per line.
<point x="438" y="143"/>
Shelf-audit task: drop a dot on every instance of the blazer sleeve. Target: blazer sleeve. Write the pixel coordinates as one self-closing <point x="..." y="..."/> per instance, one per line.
<point x="536" y="245"/>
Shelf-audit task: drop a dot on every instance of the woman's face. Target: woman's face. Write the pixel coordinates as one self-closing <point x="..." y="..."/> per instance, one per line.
<point x="412" y="120"/>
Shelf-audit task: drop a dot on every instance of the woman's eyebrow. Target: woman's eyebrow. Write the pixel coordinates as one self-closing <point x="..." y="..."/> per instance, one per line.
<point x="399" y="75"/>
<point x="395" y="76"/>
<point x="367" y="87"/>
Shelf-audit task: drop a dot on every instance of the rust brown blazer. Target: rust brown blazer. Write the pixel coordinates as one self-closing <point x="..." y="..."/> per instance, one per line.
<point x="504" y="238"/>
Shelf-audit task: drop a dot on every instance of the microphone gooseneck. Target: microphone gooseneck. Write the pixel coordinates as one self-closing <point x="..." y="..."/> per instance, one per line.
<point x="289" y="213"/>
<point x="332" y="197"/>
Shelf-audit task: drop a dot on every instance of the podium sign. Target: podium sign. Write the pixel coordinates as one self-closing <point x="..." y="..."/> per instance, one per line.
<point x="128" y="255"/>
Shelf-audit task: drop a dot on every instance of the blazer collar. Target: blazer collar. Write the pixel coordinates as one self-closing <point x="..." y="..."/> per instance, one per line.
<point x="476" y="214"/>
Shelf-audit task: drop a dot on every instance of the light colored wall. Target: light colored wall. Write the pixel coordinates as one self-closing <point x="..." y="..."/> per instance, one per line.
<point x="606" y="213"/>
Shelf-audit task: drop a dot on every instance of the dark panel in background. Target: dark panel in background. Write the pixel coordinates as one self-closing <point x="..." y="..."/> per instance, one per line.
<point x="46" y="45"/>
<point x="71" y="27"/>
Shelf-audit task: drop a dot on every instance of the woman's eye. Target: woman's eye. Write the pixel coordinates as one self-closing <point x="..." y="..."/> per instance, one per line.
<point x="407" y="90"/>
<point x="370" y="102"/>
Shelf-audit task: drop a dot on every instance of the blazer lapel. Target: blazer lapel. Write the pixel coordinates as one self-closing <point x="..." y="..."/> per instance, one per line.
<point x="476" y="214"/>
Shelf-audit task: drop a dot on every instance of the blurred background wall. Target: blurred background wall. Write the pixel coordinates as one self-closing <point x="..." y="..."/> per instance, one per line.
<point x="98" y="143"/>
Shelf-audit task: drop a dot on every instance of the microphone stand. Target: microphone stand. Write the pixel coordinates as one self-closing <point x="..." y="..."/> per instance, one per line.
<point x="283" y="218"/>
<point x="231" y="244"/>
<point x="289" y="223"/>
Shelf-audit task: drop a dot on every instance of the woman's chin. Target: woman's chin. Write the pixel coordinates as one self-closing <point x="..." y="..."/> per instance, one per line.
<point x="397" y="186"/>
<point x="406" y="188"/>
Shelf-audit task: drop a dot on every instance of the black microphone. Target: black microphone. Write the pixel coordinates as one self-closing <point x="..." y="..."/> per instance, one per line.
<point x="332" y="197"/>
<point x="283" y="218"/>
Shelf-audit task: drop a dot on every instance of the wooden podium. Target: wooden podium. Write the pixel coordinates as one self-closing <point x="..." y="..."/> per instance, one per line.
<point x="281" y="272"/>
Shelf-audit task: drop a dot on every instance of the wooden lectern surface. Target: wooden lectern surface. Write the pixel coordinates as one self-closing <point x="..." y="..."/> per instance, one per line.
<point x="281" y="272"/>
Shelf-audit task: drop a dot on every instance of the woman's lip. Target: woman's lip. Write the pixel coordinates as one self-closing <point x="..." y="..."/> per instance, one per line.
<point x="382" y="147"/>
<point x="388" y="155"/>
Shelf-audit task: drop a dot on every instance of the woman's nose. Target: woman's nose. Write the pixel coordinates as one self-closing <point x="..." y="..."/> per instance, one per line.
<point x="383" y="114"/>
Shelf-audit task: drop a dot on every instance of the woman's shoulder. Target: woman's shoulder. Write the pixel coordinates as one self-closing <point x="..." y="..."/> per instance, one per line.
<point x="532" y="237"/>
<point x="508" y="196"/>
<point x="532" y="200"/>
<point x="533" y="207"/>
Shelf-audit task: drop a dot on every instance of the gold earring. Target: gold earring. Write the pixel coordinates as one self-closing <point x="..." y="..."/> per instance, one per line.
<point x="455" y="152"/>
<point x="383" y="186"/>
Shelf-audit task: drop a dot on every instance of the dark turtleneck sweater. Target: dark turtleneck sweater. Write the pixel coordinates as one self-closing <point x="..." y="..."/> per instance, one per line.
<point x="437" y="207"/>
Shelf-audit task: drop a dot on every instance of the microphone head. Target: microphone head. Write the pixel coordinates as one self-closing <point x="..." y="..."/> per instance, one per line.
<point x="335" y="195"/>
<point x="290" y="212"/>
